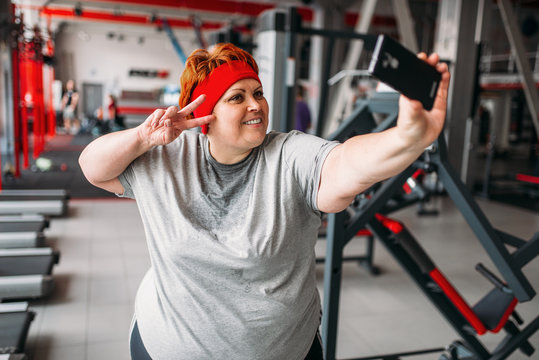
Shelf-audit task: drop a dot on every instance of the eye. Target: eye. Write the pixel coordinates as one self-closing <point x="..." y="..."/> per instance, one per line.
<point x="259" y="94"/>
<point x="236" y="98"/>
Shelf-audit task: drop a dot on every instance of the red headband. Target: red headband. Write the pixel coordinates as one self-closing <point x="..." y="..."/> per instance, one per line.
<point x="217" y="82"/>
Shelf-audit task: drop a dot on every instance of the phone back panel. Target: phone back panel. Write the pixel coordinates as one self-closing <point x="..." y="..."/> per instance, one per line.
<point x="401" y="69"/>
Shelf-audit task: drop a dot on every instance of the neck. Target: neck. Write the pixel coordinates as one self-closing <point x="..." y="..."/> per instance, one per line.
<point x="227" y="155"/>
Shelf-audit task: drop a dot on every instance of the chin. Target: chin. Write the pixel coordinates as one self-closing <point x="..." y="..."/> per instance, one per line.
<point x="257" y="139"/>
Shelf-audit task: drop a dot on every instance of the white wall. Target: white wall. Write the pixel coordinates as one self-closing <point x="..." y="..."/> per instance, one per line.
<point x="85" y="53"/>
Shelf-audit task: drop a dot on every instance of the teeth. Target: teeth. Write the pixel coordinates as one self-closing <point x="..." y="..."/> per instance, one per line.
<point x="254" y="121"/>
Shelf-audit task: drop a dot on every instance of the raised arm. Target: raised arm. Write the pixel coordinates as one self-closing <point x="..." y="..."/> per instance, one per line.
<point x="364" y="160"/>
<point x="105" y="158"/>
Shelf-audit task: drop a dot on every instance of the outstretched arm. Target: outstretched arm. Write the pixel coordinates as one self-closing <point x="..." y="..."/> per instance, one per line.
<point x="364" y="160"/>
<point x="105" y="158"/>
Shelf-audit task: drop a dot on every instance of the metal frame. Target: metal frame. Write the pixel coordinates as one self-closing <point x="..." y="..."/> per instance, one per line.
<point x="509" y="264"/>
<point x="455" y="43"/>
<point x="523" y="65"/>
<point x="423" y="281"/>
<point x="493" y="241"/>
<point x="515" y="338"/>
<point x="292" y="28"/>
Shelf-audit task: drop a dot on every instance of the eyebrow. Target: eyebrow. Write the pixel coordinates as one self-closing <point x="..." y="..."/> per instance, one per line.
<point x="237" y="89"/>
<point x="243" y="90"/>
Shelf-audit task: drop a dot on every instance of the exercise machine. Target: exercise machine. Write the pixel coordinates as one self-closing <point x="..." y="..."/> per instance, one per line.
<point x="494" y="242"/>
<point x="341" y="229"/>
<point x="361" y="121"/>
<point x="492" y="313"/>
<point x="35" y="207"/>
<point x="366" y="260"/>
<point x="27" y="273"/>
<point x="34" y="194"/>
<point x="15" y="320"/>
<point x="277" y="33"/>
<point x="51" y="202"/>
<point x="511" y="184"/>
<point x="21" y="239"/>
<point x="25" y="223"/>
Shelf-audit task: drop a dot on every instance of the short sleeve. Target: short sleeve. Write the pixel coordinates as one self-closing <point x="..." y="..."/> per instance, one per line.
<point x="126" y="179"/>
<point x="305" y="155"/>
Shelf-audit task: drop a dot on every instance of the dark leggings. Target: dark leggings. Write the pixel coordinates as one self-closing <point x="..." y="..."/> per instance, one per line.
<point x="316" y="352"/>
<point x="138" y="351"/>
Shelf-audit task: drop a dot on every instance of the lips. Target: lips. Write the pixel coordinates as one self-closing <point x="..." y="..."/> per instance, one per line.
<point x="253" y="121"/>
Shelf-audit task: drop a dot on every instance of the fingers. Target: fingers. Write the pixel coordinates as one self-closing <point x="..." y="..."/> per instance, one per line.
<point x="172" y="110"/>
<point x="442" y="67"/>
<point x="444" y="85"/>
<point x="160" y="116"/>
<point x="169" y="133"/>
<point x="193" y="105"/>
<point x="168" y="117"/>
<point x="170" y="121"/>
<point x="192" y="123"/>
<point x="440" y="103"/>
<point x="432" y="59"/>
<point x="154" y="118"/>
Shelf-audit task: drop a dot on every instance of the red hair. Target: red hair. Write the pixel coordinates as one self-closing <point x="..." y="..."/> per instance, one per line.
<point x="202" y="62"/>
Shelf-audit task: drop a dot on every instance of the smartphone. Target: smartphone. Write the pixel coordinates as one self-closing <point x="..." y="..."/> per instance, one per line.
<point x="398" y="67"/>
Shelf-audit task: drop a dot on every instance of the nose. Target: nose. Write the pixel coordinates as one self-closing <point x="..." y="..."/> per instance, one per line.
<point x="253" y="104"/>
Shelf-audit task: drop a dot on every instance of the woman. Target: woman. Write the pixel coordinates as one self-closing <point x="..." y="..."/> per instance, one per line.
<point x="70" y="101"/>
<point x="232" y="215"/>
<point x="116" y="121"/>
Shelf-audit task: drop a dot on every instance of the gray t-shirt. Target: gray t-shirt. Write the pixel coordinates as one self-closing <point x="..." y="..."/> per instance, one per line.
<point x="231" y="248"/>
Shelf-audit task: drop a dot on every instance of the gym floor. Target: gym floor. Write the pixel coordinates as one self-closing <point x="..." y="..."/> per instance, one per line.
<point x="103" y="258"/>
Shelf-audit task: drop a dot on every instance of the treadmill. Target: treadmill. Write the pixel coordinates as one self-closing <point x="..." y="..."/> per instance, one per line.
<point x="34" y="194"/>
<point x="51" y="202"/>
<point x="21" y="239"/>
<point x="27" y="273"/>
<point x="15" y="320"/>
<point x="42" y="207"/>
<point x="25" y="223"/>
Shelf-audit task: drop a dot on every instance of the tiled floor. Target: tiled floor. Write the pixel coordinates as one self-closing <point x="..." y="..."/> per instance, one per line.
<point x="103" y="257"/>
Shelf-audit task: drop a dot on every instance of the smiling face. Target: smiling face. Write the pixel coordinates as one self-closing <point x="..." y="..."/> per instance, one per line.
<point x="241" y="121"/>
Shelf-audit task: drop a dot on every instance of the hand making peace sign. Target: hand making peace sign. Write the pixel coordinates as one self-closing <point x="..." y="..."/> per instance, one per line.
<point x="164" y="126"/>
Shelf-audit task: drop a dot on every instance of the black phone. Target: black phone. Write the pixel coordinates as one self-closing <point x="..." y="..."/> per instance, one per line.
<point x="398" y="67"/>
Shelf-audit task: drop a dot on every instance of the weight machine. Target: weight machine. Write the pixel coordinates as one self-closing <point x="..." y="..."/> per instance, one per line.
<point x="468" y="322"/>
